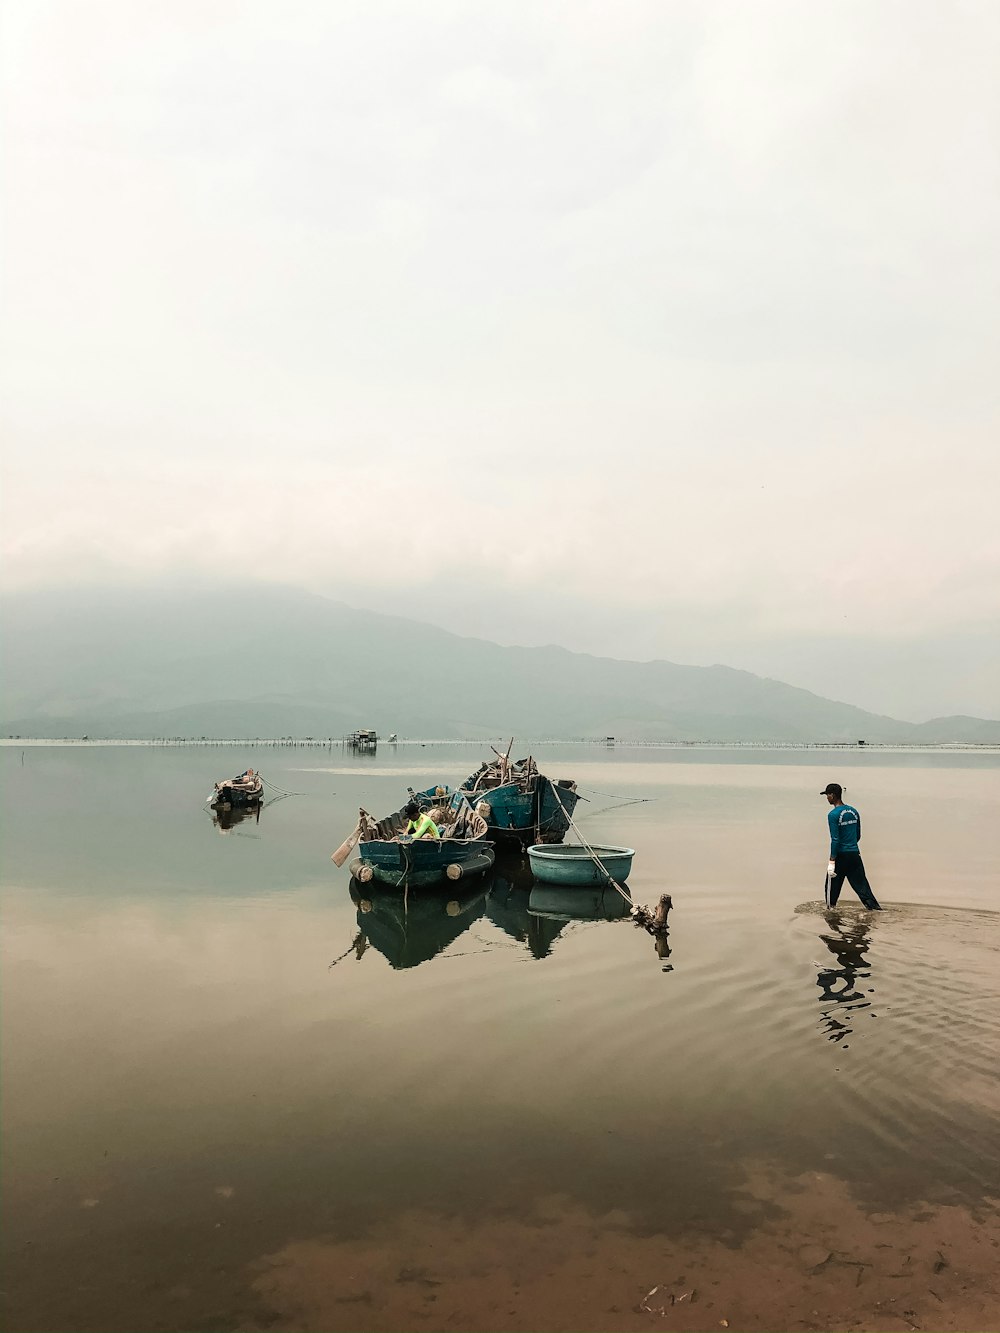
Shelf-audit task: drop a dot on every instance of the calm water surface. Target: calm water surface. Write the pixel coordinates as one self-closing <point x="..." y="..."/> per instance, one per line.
<point x="212" y="1051"/>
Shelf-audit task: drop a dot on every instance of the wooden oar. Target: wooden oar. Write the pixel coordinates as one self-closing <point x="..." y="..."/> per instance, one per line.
<point x="347" y="846"/>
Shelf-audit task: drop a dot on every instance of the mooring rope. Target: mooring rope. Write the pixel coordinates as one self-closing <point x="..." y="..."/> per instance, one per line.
<point x="629" y="800"/>
<point x="597" y="860"/>
<point x="357" y="947"/>
<point x="641" y="916"/>
<point x="280" y="791"/>
<point x="619" y="805"/>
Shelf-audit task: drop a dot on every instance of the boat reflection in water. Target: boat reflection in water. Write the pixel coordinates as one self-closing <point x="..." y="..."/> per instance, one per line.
<point x="226" y="818"/>
<point x="848" y="939"/>
<point x="409" y="929"/>
<point x="507" y="906"/>
<point x="536" y="914"/>
<point x="549" y="904"/>
<point x="593" y="904"/>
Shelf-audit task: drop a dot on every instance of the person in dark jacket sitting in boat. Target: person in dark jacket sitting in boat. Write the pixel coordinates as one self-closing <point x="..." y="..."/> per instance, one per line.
<point x="419" y="826"/>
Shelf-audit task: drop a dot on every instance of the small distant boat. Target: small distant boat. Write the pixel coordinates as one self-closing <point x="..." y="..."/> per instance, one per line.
<point x="239" y="793"/>
<point x="519" y="804"/>
<point x="385" y="852"/>
<point x="571" y="864"/>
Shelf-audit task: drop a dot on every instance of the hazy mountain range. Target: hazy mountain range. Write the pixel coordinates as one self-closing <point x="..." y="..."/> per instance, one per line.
<point x="270" y="661"/>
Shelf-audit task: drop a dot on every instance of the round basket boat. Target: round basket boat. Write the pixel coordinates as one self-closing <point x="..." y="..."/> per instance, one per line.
<point x="570" y="864"/>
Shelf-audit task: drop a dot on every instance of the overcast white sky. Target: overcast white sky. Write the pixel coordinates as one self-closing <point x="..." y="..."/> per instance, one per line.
<point x="652" y="329"/>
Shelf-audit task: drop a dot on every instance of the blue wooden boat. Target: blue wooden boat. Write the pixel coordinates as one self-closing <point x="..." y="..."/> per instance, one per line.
<point x="386" y="854"/>
<point x="519" y="804"/>
<point x="572" y="865"/>
<point x="242" y="792"/>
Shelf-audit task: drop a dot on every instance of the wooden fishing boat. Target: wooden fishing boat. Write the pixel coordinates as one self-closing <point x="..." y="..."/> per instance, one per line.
<point x="572" y="865"/>
<point x="239" y="793"/>
<point x="387" y="854"/>
<point x="519" y="804"/>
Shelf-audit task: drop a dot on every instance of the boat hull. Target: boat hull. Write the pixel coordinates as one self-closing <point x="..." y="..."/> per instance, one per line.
<point x="237" y="798"/>
<point x="519" y="817"/>
<point x="574" y="866"/>
<point x="422" y="862"/>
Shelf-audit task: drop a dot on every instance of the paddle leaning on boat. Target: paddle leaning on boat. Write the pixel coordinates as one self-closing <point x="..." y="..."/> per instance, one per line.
<point x="389" y="852"/>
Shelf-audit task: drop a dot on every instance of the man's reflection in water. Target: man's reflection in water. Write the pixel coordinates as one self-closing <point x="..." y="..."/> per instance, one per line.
<point x="848" y="938"/>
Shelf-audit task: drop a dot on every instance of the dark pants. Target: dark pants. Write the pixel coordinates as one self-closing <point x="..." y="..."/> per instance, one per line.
<point x="850" y="866"/>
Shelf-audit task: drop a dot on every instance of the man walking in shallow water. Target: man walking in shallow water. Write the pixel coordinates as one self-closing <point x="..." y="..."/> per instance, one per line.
<point x="845" y="853"/>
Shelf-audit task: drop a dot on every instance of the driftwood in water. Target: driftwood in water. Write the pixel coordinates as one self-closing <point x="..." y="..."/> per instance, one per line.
<point x="654" y="919"/>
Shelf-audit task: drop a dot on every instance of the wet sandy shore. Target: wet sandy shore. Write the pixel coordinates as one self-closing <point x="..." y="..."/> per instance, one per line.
<point x="821" y="1263"/>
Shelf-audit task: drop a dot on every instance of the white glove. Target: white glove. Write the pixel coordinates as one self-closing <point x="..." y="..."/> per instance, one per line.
<point x="831" y="868"/>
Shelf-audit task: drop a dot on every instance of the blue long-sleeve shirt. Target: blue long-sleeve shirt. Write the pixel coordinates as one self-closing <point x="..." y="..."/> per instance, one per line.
<point x="845" y="829"/>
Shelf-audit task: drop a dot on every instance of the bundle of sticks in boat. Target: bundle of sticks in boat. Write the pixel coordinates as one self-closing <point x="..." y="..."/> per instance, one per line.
<point x="502" y="771"/>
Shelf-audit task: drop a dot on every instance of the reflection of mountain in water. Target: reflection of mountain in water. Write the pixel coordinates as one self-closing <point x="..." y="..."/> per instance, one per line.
<point x="411" y="929"/>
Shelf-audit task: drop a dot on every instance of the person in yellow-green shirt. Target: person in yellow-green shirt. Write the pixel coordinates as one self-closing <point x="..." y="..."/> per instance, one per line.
<point x="419" y="826"/>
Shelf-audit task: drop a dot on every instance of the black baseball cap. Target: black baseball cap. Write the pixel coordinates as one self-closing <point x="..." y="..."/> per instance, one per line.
<point x="832" y="789"/>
